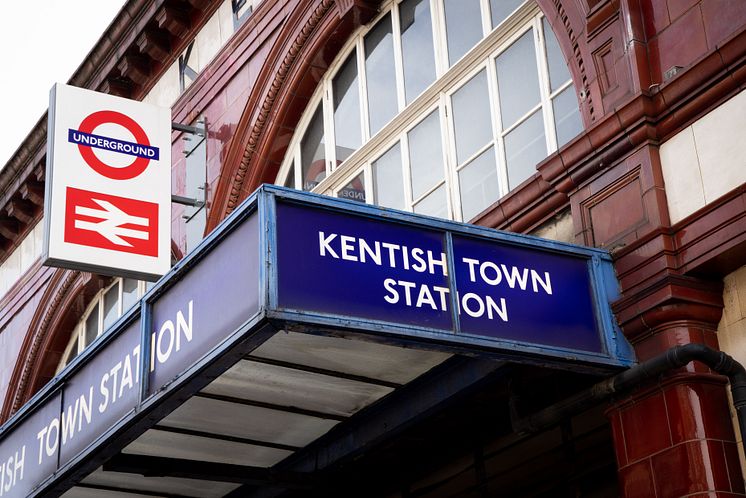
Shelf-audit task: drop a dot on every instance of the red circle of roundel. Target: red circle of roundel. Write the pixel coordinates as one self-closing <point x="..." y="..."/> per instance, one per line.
<point x="101" y="117"/>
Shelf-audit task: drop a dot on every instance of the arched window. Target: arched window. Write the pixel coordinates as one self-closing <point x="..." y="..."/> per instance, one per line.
<point x="104" y="309"/>
<point x="438" y="107"/>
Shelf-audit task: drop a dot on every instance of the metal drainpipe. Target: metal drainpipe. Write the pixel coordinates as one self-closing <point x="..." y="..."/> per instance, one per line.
<point x="675" y="357"/>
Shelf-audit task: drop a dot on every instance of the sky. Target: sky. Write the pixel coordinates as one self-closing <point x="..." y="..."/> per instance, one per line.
<point x="42" y="42"/>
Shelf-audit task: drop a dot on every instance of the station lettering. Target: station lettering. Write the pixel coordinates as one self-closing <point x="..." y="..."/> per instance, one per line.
<point x="117" y="382"/>
<point x="416" y="260"/>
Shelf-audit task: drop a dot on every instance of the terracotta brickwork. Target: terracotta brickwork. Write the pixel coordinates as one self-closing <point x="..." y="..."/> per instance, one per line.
<point x="643" y="70"/>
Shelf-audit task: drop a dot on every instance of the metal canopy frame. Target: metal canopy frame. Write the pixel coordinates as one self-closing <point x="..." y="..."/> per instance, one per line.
<point x="269" y="318"/>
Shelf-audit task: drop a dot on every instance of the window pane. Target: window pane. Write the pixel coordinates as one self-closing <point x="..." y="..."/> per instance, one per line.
<point x="91" y="326"/>
<point x="355" y="190"/>
<point x="312" y="152"/>
<point x="73" y="349"/>
<point x="381" y="75"/>
<point x="501" y="9"/>
<point x="425" y="154"/>
<point x="471" y="117"/>
<point x="558" y="72"/>
<point x="195" y="228"/>
<point x="434" y="204"/>
<point x="290" y="179"/>
<point x="347" y="135"/>
<point x="566" y="116"/>
<point x="388" y="185"/>
<point x="525" y="146"/>
<point x="111" y="307"/>
<point x="418" y="55"/>
<point x="479" y="185"/>
<point x="518" y="80"/>
<point x="129" y="293"/>
<point x="463" y="27"/>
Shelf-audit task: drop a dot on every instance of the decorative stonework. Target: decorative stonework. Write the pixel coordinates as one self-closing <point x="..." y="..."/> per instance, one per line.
<point x="585" y="94"/>
<point x="48" y="313"/>
<point x="270" y="98"/>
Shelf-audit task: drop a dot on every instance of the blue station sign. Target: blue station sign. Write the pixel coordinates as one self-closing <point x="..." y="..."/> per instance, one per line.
<point x="288" y="260"/>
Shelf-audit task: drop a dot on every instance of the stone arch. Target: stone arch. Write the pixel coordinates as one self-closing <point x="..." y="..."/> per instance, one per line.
<point x="58" y="311"/>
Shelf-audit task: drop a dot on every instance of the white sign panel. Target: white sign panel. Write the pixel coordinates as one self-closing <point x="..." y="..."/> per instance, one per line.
<point x="108" y="184"/>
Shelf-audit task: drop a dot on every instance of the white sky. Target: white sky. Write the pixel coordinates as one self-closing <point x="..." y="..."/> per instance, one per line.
<point x="42" y="42"/>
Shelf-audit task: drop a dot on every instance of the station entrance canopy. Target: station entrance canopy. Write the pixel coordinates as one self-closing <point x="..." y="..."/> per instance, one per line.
<point x="290" y="319"/>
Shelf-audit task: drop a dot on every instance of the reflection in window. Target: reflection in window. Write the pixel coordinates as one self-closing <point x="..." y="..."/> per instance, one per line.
<point x="103" y="311"/>
<point x="558" y="72"/>
<point x="434" y="204"/>
<point x="355" y="190"/>
<point x="478" y="184"/>
<point x="518" y="82"/>
<point x="418" y="56"/>
<point x="347" y="133"/>
<point x="463" y="27"/>
<point x="313" y="159"/>
<point x="525" y="146"/>
<point x="566" y="116"/>
<point x="425" y="155"/>
<point x="472" y="119"/>
<point x="387" y="179"/>
<point x="501" y="9"/>
<point x="380" y="75"/>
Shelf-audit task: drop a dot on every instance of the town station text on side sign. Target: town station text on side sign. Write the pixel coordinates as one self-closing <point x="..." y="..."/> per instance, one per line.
<point x="108" y="184"/>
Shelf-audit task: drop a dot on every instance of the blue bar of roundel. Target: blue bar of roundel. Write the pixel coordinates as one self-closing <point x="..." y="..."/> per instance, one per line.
<point x="138" y="150"/>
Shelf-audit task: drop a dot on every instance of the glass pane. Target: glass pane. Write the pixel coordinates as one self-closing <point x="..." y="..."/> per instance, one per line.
<point x="195" y="229"/>
<point x="479" y="185"/>
<point x="388" y="184"/>
<point x="73" y="350"/>
<point x="566" y="116"/>
<point x="501" y="9"/>
<point x="524" y="148"/>
<point x="558" y="72"/>
<point x="91" y="326"/>
<point x="418" y="55"/>
<point x="313" y="165"/>
<point x="111" y="307"/>
<point x="381" y="75"/>
<point x="347" y="135"/>
<point x="434" y="204"/>
<point x="463" y="27"/>
<point x="518" y="80"/>
<point x="290" y="179"/>
<point x="471" y="117"/>
<point x="196" y="173"/>
<point x="129" y="293"/>
<point x="425" y="155"/>
<point x="355" y="190"/>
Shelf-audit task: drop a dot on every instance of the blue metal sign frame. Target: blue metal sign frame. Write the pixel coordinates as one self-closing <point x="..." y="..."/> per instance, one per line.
<point x="250" y="237"/>
<point x="614" y="348"/>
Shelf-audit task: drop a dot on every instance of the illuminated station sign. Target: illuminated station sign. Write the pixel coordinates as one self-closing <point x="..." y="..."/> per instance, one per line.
<point x="108" y="200"/>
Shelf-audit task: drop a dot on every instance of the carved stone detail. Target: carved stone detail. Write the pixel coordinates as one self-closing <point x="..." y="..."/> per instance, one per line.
<point x="49" y="307"/>
<point x="154" y="43"/>
<point x="261" y="120"/>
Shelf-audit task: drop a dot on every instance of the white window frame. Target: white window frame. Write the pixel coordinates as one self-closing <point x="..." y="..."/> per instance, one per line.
<point x="77" y="337"/>
<point x="437" y="95"/>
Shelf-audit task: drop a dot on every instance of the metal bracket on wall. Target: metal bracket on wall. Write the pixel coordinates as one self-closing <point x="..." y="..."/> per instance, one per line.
<point x="194" y="130"/>
<point x="201" y="131"/>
